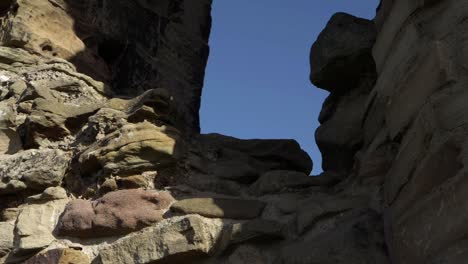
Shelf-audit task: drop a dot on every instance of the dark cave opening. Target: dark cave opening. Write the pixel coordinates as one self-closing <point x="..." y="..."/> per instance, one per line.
<point x="110" y="50"/>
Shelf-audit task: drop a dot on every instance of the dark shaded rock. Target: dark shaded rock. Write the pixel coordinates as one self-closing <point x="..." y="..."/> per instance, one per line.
<point x="312" y="211"/>
<point x="354" y="237"/>
<point x="220" y="207"/>
<point x="341" y="135"/>
<point x="342" y="55"/>
<point x="210" y="183"/>
<point x="274" y="181"/>
<point x="258" y="229"/>
<point x="262" y="155"/>
<point x="108" y="185"/>
<point x="115" y="213"/>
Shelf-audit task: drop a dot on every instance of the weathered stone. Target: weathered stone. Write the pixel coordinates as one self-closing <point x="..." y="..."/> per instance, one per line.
<point x="210" y="183"/>
<point x="133" y="149"/>
<point x="355" y="238"/>
<point x="258" y="229"/>
<point x="133" y="182"/>
<point x="220" y="207"/>
<point x="9" y="56"/>
<point x="10" y="142"/>
<point x="60" y="256"/>
<point x="6" y="237"/>
<point x="342" y="55"/>
<point x="264" y="155"/>
<point x="174" y="240"/>
<point x="311" y="211"/>
<point x="36" y="223"/>
<point x="116" y="213"/>
<point x="33" y="170"/>
<point x="51" y="193"/>
<point x="59" y="107"/>
<point x="122" y="46"/>
<point x="108" y="185"/>
<point x="246" y="254"/>
<point x="9" y="214"/>
<point x="340" y="136"/>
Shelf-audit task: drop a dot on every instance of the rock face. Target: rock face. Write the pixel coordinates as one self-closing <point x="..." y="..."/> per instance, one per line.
<point x="134" y="46"/>
<point x="341" y="62"/>
<point x="101" y="160"/>
<point x="408" y="140"/>
<point x="420" y="57"/>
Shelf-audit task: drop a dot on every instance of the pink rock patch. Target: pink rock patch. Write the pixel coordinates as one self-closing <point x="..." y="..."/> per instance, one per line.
<point x="116" y="213"/>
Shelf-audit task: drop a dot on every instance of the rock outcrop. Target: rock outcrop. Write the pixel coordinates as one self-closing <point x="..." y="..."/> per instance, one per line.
<point x="404" y="134"/>
<point x="102" y="160"/>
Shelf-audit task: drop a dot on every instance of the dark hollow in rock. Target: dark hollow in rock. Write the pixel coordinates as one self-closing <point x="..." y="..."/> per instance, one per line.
<point x="5" y="5"/>
<point x="110" y="50"/>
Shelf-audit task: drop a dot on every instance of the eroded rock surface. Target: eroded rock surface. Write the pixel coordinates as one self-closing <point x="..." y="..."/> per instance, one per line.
<point x="32" y="170"/>
<point x="101" y="160"/>
<point x="115" y="213"/>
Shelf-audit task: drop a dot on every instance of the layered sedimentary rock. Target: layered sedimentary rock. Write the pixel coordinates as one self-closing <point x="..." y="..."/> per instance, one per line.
<point x="102" y="162"/>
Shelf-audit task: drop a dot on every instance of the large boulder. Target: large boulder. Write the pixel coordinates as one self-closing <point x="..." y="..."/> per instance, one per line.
<point x="342" y="55"/>
<point x="257" y="230"/>
<point x="260" y="155"/>
<point x="32" y="170"/>
<point x="176" y="240"/>
<point x="116" y="213"/>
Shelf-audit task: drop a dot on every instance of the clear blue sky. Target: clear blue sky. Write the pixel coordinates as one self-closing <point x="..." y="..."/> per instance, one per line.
<point x="257" y="80"/>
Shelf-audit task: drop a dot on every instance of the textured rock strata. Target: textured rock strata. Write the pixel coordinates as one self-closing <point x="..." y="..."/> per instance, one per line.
<point x="101" y="160"/>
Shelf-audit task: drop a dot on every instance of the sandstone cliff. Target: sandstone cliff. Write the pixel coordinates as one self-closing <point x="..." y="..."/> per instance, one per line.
<point x="101" y="160"/>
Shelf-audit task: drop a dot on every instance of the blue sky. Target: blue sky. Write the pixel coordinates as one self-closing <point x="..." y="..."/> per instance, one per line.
<point x="256" y="83"/>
